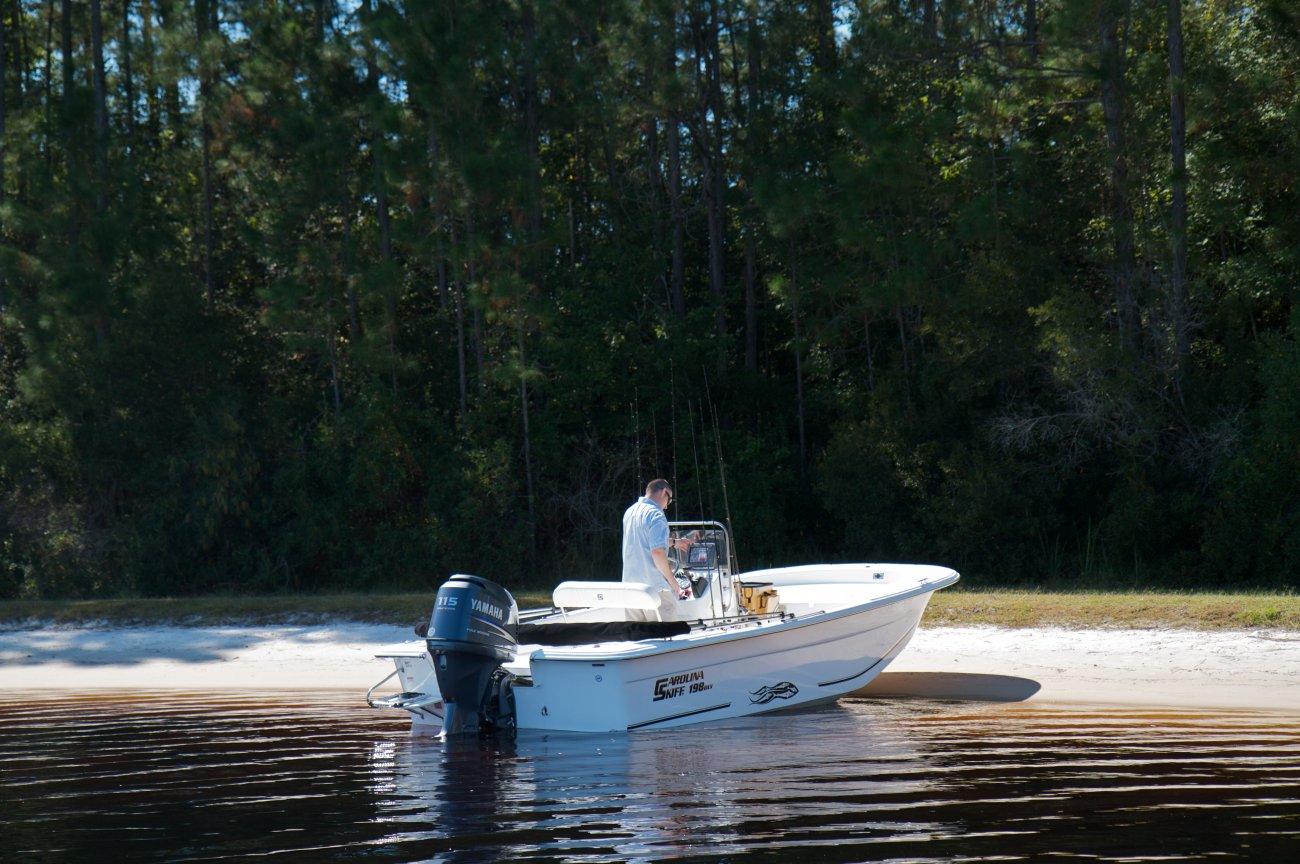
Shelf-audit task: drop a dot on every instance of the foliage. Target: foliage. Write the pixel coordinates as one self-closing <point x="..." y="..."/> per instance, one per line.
<point x="314" y="295"/>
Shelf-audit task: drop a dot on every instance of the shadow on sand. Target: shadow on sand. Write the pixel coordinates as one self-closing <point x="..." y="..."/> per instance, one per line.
<point x="951" y="685"/>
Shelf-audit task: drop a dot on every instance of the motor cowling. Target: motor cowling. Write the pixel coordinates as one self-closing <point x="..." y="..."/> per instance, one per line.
<point x="471" y="633"/>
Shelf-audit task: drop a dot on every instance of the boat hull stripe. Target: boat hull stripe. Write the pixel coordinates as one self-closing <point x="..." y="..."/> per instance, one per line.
<point x="851" y="677"/>
<point x="679" y="716"/>
<point x="888" y="654"/>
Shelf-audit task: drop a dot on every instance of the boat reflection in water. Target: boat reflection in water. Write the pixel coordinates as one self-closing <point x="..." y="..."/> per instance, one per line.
<point x="640" y="796"/>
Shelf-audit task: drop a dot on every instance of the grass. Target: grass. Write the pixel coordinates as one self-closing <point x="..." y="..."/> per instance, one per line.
<point x="954" y="607"/>
<point x="1115" y="609"/>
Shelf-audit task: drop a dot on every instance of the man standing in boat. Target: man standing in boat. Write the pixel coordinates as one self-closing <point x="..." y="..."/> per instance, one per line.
<point x="645" y="545"/>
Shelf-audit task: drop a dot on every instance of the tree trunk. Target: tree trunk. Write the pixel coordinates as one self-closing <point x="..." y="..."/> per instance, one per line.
<point x="661" y="221"/>
<point x="676" y="214"/>
<point x="3" y="149"/>
<point x="677" y="281"/>
<point x="906" y="356"/>
<point x="204" y="12"/>
<point x="1178" y="183"/>
<point x="24" y="65"/>
<point x="798" y="361"/>
<point x="710" y="125"/>
<point x="101" y="105"/>
<point x="66" y="123"/>
<point x="528" y="448"/>
<point x="1031" y="28"/>
<point x="458" y="287"/>
<point x="1121" y="207"/>
<point x="331" y="351"/>
<point x="439" y="213"/>
<point x="650" y="127"/>
<point x="47" y="78"/>
<point x="152" y="99"/>
<point x="751" y="301"/>
<point x="573" y="235"/>
<point x="866" y="344"/>
<point x="128" y="81"/>
<point x="532" y="127"/>
<point x="930" y="21"/>
<point x="382" y="216"/>
<point x="65" y="48"/>
<point x="354" y="312"/>
<point x="476" y="322"/>
<point x="753" y="69"/>
<point x="826" y="58"/>
<point x="100" y="171"/>
<point x="171" y="89"/>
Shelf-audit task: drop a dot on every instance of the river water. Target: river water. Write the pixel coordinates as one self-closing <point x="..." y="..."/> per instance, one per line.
<point x="175" y="778"/>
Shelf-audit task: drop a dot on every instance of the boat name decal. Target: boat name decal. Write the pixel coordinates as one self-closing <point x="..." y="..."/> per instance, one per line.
<point x="480" y="606"/>
<point x="679" y="685"/>
<point x="488" y="609"/>
<point x="768" y="692"/>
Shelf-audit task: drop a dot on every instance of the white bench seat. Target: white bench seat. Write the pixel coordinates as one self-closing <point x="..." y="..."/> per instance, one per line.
<point x="606" y="595"/>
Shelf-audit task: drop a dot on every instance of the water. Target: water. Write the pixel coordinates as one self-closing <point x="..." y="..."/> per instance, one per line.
<point x="162" y="777"/>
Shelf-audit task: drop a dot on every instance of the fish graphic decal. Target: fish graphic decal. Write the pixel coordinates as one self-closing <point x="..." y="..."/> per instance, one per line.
<point x="769" y="692"/>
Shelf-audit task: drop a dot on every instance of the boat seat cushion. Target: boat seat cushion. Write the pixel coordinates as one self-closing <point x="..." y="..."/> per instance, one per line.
<point x="594" y="632"/>
<point x="605" y="595"/>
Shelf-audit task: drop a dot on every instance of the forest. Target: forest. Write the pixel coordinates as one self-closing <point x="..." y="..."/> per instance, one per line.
<point x="315" y="295"/>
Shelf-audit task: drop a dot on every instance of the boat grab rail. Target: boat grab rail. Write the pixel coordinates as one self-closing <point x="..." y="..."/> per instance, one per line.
<point x="542" y="612"/>
<point x="729" y="620"/>
<point x="404" y="699"/>
<point x="371" y="692"/>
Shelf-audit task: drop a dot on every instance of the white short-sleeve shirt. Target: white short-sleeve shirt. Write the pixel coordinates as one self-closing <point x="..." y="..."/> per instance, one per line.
<point x="645" y="528"/>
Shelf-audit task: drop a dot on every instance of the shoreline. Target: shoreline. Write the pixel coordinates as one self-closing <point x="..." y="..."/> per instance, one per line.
<point x="1170" y="668"/>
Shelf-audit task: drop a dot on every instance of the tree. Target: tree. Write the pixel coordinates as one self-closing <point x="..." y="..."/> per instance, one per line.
<point x="1178" y="186"/>
<point x="1110" y="14"/>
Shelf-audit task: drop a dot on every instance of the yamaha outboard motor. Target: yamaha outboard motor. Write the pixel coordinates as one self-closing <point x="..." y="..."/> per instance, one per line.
<point x="471" y="633"/>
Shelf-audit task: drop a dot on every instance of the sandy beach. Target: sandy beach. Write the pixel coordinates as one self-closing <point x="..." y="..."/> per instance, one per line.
<point x="1158" y="668"/>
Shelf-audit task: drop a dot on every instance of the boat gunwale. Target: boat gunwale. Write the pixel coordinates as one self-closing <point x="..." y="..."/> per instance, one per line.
<point x="715" y="634"/>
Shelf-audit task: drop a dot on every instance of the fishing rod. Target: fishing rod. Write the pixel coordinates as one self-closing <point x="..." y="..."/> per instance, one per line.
<point x="636" y="434"/>
<point x="672" y="415"/>
<point x="695" y="452"/>
<point x="722" y="474"/>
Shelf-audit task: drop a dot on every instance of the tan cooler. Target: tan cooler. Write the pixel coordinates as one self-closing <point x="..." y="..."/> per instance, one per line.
<point x="758" y="597"/>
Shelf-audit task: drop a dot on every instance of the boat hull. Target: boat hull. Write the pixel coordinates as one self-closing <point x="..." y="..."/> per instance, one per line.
<point x="749" y="671"/>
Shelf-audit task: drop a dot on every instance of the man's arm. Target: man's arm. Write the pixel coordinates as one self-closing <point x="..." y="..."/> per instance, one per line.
<point x="665" y="569"/>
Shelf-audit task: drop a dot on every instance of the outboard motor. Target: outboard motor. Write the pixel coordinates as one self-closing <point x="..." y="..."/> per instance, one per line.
<point x="471" y="633"/>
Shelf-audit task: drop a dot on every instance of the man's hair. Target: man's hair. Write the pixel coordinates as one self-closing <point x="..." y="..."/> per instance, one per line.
<point x="654" y="487"/>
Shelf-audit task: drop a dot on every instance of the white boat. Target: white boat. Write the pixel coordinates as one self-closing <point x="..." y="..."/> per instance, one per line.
<point x="742" y="644"/>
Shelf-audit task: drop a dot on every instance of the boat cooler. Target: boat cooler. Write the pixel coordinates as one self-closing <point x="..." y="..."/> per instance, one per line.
<point x="759" y="597"/>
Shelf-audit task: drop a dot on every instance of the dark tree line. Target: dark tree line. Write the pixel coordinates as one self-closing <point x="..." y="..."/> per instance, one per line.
<point x="308" y="294"/>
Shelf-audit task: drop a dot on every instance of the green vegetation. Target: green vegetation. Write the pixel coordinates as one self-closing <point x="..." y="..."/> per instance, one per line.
<point x="1101" y="609"/>
<point x="308" y="296"/>
<point x="1085" y="609"/>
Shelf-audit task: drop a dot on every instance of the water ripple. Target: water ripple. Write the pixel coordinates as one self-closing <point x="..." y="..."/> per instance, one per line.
<point x="167" y="777"/>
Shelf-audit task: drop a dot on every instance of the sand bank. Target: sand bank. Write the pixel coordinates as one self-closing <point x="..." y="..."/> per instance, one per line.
<point x="1170" y="668"/>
